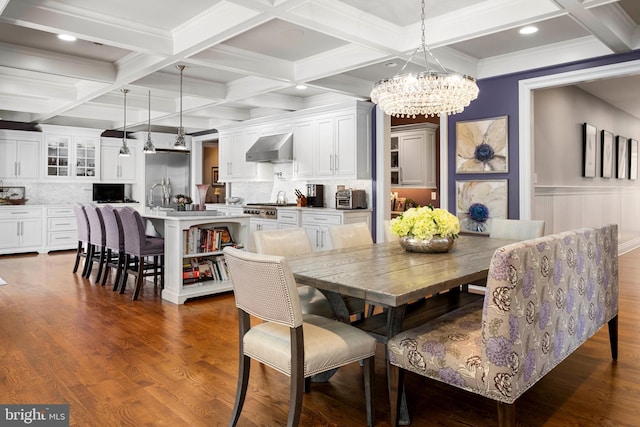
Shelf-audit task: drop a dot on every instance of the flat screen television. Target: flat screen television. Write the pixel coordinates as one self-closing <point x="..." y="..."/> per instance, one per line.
<point x="108" y="193"/>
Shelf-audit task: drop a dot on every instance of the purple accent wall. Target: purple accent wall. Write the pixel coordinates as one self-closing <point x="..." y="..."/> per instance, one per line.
<point x="499" y="97"/>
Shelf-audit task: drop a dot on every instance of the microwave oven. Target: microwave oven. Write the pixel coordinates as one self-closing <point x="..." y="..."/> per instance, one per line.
<point x="351" y="199"/>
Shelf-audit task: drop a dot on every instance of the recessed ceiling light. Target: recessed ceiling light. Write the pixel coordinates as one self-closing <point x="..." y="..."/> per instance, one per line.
<point x="530" y="29"/>
<point x="301" y="87"/>
<point x="66" y="37"/>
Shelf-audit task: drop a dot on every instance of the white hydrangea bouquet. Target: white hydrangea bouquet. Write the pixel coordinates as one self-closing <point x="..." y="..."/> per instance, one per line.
<point x="425" y="222"/>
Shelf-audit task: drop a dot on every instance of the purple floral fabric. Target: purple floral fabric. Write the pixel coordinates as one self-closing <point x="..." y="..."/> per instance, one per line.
<point x="544" y="298"/>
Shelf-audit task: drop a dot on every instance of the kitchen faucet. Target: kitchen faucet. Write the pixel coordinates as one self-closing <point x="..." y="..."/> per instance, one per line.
<point x="166" y="192"/>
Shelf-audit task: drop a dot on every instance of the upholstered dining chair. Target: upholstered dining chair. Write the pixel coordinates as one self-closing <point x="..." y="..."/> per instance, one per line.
<point x="114" y="242"/>
<point x="97" y="248"/>
<point x="291" y="242"/>
<point x="138" y="248"/>
<point x="298" y="347"/>
<point x="516" y="229"/>
<point x="346" y="236"/>
<point x="83" y="237"/>
<point x="388" y="235"/>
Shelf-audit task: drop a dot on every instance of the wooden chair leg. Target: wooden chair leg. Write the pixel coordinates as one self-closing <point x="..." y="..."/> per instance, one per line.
<point x="297" y="377"/>
<point x="119" y="271"/>
<point x="107" y="268"/>
<point x="78" y="256"/>
<point x="241" y="392"/>
<point x="125" y="273"/>
<point x="369" y="369"/>
<point x="88" y="263"/>
<point x="101" y="262"/>
<point x="396" y="383"/>
<point x="506" y="414"/>
<point x="613" y="337"/>
<point x="139" y="278"/>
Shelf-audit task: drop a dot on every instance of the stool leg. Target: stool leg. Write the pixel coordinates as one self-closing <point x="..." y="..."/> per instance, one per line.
<point x="139" y="278"/>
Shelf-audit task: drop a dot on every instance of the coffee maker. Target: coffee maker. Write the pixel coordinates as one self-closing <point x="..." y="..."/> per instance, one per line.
<point x="315" y="195"/>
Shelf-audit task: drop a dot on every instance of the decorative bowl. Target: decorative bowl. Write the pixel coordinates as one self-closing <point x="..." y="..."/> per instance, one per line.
<point x="437" y="244"/>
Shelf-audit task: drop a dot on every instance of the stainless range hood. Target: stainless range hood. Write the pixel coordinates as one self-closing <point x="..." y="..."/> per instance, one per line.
<point x="272" y="148"/>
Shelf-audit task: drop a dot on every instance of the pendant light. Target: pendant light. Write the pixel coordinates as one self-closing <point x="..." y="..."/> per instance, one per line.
<point x="180" y="142"/>
<point x="124" y="150"/>
<point x="148" y="145"/>
<point x="427" y="93"/>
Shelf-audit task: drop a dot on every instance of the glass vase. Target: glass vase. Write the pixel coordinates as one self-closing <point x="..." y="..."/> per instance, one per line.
<point x="202" y="193"/>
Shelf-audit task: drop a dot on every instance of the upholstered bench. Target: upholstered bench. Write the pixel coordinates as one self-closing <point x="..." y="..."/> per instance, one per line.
<point x="545" y="297"/>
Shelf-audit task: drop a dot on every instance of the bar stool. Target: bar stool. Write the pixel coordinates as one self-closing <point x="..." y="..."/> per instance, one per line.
<point x="83" y="237"/>
<point x="138" y="247"/>
<point x="115" y="245"/>
<point x="97" y="238"/>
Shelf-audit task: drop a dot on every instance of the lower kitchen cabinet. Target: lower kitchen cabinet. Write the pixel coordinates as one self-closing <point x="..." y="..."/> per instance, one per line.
<point x="317" y="224"/>
<point x="21" y="229"/>
<point x="62" y="228"/>
<point x="259" y="224"/>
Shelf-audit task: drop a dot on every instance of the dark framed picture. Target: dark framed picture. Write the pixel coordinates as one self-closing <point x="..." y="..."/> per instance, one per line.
<point x="589" y="150"/>
<point x="225" y="237"/>
<point x="622" y="148"/>
<point x="607" y="154"/>
<point x="633" y="159"/>
<point x="214" y="175"/>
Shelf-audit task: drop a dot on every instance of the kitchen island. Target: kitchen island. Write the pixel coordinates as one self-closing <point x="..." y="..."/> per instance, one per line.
<point x="193" y="260"/>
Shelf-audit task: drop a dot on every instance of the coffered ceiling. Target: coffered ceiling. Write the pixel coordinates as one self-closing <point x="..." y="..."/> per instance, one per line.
<point x="245" y="57"/>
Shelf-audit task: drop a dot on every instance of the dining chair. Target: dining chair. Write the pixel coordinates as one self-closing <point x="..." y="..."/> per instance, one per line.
<point x="345" y="236"/>
<point x="516" y="229"/>
<point x="388" y="235"/>
<point x="138" y="248"/>
<point x="114" y="242"/>
<point x="97" y="248"/>
<point x="296" y="346"/>
<point x="83" y="237"/>
<point x="291" y="242"/>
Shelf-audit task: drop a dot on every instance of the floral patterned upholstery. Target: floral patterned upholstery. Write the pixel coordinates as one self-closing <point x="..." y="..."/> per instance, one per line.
<point x="544" y="298"/>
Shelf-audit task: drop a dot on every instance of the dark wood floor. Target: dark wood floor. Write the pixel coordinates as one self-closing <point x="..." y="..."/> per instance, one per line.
<point x="64" y="339"/>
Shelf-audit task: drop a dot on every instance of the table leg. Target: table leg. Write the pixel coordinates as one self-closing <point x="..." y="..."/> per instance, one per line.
<point x="395" y="317"/>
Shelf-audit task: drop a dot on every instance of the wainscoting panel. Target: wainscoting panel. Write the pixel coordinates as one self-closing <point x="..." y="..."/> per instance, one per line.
<point x="568" y="208"/>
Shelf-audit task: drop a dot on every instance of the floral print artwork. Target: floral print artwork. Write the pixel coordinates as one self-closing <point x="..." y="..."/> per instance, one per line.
<point x="544" y="298"/>
<point x="480" y="201"/>
<point x="481" y="146"/>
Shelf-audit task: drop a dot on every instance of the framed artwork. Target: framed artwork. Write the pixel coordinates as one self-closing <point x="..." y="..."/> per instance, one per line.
<point x="589" y="150"/>
<point x="482" y="146"/>
<point x="214" y="175"/>
<point x="477" y="202"/>
<point x="633" y="159"/>
<point x="622" y="145"/>
<point x="607" y="153"/>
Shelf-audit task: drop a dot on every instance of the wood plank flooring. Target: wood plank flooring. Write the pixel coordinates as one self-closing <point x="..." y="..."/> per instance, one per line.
<point x="117" y="362"/>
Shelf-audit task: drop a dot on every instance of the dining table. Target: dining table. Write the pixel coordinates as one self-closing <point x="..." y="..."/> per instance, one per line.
<point x="409" y="288"/>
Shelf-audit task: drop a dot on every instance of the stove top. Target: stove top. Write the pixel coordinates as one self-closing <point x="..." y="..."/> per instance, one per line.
<point x="270" y="204"/>
<point x="264" y="210"/>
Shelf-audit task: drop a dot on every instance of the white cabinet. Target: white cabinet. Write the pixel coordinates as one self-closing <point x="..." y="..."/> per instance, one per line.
<point x="259" y="224"/>
<point x="413" y="158"/>
<point x="288" y="218"/>
<point x="21" y="229"/>
<point x="71" y="152"/>
<point x="113" y="166"/>
<point x="336" y="147"/>
<point x="304" y="142"/>
<point x="233" y="147"/>
<point x="317" y="224"/>
<point x="19" y="154"/>
<point x="61" y="228"/>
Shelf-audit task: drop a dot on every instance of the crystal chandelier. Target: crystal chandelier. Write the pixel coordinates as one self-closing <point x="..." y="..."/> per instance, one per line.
<point x="180" y="142"/>
<point x="427" y="93"/>
<point x="124" y="150"/>
<point x="148" y="145"/>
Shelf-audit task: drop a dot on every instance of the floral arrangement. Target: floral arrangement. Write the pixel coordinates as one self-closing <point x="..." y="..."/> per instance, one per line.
<point x="425" y="222"/>
<point x="182" y="200"/>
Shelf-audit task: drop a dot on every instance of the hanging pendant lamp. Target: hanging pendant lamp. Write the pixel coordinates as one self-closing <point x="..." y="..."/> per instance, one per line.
<point x="148" y="145"/>
<point x="428" y="93"/>
<point x="124" y="150"/>
<point x="180" y="142"/>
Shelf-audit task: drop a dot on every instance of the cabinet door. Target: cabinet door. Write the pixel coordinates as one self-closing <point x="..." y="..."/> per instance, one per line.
<point x="128" y="167"/>
<point x="8" y="154"/>
<point x="28" y="158"/>
<point x="10" y="232"/>
<point x="31" y="232"/>
<point x="345" y="145"/>
<point x="85" y="157"/>
<point x="109" y="162"/>
<point x="58" y="156"/>
<point x="413" y="159"/>
<point x="325" y="147"/>
<point x="304" y="133"/>
<point x="225" y="154"/>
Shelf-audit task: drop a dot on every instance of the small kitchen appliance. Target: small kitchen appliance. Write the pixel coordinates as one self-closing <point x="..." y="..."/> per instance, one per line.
<point x="351" y="199"/>
<point x="315" y="195"/>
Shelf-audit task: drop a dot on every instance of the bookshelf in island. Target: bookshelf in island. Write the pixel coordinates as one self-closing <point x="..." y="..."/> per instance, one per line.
<point x="194" y="263"/>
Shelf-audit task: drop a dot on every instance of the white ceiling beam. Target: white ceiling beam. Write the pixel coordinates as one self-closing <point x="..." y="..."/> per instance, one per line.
<point x="25" y="86"/>
<point x="607" y="23"/>
<point x="164" y="84"/>
<point x="56" y="17"/>
<point x="27" y="104"/>
<point x="348" y="57"/>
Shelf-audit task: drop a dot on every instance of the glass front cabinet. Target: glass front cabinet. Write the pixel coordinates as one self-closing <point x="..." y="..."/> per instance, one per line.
<point x="71" y="152"/>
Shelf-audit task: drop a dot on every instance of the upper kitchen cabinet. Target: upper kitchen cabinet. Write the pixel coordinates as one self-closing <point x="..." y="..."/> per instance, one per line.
<point x="413" y="158"/>
<point x="113" y="166"/>
<point x="233" y="165"/>
<point x="20" y="154"/>
<point x="71" y="152"/>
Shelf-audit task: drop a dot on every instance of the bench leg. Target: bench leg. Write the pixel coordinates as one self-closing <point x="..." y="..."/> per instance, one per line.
<point x="613" y="337"/>
<point x="506" y="414"/>
<point x="396" y="384"/>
